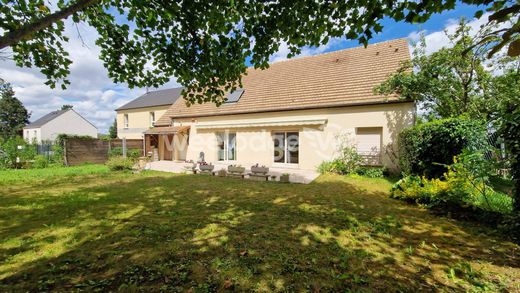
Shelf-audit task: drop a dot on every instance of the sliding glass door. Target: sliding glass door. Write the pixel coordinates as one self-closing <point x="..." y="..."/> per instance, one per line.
<point x="286" y="147"/>
<point x="226" y="145"/>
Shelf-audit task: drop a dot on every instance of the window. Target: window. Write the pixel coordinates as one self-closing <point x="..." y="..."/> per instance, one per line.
<point x="286" y="147"/>
<point x="152" y="118"/>
<point x="227" y="148"/>
<point x="34" y="132"/>
<point x="125" y="121"/>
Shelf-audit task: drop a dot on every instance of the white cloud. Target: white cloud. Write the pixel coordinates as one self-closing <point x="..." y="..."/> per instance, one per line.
<point x="437" y="40"/>
<point x="282" y="52"/>
<point x="91" y="92"/>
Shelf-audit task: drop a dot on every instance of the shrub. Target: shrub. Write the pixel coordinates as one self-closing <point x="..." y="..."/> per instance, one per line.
<point x="40" y="162"/>
<point x="130" y="153"/>
<point x="372" y="172"/>
<point x="336" y="166"/>
<point x="325" y="167"/>
<point x="13" y="148"/>
<point x="347" y="161"/>
<point x="120" y="163"/>
<point x="457" y="189"/>
<point x="425" y="149"/>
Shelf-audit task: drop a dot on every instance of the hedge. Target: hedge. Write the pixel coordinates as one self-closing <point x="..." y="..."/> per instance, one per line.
<point x="425" y="148"/>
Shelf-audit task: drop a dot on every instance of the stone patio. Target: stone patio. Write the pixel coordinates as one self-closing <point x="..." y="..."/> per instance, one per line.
<point x="295" y="175"/>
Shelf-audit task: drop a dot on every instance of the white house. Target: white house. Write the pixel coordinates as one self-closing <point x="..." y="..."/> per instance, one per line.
<point x="58" y="122"/>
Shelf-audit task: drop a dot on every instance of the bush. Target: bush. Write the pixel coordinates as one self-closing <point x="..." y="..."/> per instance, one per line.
<point x="336" y="166"/>
<point x="372" y="172"/>
<point x="425" y="149"/>
<point x="120" y="163"/>
<point x="40" y="162"/>
<point x="13" y="148"/>
<point x="131" y="153"/>
<point x="456" y="190"/>
<point x="347" y="162"/>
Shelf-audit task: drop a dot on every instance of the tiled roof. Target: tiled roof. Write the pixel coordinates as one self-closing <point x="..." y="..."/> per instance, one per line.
<point x="340" y="78"/>
<point x="154" y="98"/>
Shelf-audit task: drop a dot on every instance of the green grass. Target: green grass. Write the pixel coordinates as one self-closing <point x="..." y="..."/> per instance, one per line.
<point x="30" y="175"/>
<point x="164" y="232"/>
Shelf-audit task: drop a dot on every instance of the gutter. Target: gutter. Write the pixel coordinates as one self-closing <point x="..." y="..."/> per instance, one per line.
<point x="295" y="109"/>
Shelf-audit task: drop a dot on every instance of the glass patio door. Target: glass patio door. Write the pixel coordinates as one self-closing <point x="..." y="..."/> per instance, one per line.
<point x="226" y="145"/>
<point x="286" y="147"/>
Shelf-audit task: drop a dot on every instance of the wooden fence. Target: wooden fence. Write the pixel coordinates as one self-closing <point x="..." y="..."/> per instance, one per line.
<point x="78" y="151"/>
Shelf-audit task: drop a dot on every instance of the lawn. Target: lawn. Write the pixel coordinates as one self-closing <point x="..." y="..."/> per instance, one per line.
<point x="95" y="230"/>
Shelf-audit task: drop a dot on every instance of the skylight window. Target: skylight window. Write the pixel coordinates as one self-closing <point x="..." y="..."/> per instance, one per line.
<point x="233" y="97"/>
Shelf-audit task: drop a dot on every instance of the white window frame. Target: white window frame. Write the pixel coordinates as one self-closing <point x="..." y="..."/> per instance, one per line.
<point x="226" y="146"/>
<point x="152" y="118"/>
<point x="125" y="121"/>
<point x="286" y="148"/>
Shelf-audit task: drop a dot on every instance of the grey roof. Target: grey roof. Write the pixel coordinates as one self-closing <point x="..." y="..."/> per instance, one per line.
<point x="155" y="98"/>
<point x="46" y="118"/>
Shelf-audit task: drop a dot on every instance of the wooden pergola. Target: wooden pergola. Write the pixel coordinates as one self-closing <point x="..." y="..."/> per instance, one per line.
<point x="166" y="143"/>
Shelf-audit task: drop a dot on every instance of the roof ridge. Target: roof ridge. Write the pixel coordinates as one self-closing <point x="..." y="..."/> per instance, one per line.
<point x="336" y="51"/>
<point x="161" y="90"/>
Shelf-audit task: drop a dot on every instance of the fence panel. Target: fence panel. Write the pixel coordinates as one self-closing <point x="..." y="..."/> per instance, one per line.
<point x="130" y="143"/>
<point x="45" y="149"/>
<point x="79" y="151"/>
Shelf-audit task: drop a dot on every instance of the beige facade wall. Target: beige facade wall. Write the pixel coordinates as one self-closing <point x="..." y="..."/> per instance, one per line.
<point x="317" y="143"/>
<point x="138" y="121"/>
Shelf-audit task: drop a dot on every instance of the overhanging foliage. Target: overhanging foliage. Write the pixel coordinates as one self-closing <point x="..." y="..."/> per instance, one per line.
<point x="205" y="44"/>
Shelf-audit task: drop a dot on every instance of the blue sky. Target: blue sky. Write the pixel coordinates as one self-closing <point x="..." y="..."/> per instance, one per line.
<point x="394" y="30"/>
<point x="95" y="96"/>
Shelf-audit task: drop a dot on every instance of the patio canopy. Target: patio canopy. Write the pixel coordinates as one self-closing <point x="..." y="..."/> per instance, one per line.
<point x="167" y="130"/>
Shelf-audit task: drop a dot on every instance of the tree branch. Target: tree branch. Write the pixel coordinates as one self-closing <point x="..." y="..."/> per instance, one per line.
<point x="12" y="37"/>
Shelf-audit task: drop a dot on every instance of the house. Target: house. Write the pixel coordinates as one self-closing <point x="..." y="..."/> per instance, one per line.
<point x="48" y="127"/>
<point x="294" y="114"/>
<point x="139" y="115"/>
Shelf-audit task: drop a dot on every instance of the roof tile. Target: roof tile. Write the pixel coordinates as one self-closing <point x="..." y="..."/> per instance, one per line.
<point x="339" y="78"/>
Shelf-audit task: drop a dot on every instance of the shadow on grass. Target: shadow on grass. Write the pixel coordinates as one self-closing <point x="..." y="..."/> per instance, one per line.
<point x="175" y="232"/>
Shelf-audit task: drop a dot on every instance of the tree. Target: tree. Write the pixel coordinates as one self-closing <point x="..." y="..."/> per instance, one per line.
<point x="66" y="107"/>
<point x="507" y="119"/>
<point x="449" y="82"/>
<point x="112" y="131"/>
<point x="13" y="115"/>
<point x="205" y="43"/>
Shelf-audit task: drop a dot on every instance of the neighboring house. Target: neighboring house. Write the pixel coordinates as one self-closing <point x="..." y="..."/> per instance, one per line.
<point x="293" y="114"/>
<point x="48" y="127"/>
<point x="139" y="115"/>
